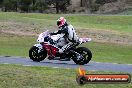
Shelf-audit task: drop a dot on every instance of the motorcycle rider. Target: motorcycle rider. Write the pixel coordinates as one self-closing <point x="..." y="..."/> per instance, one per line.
<point x="69" y="34"/>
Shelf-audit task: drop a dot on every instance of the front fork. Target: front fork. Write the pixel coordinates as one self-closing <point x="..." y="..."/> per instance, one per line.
<point x="39" y="46"/>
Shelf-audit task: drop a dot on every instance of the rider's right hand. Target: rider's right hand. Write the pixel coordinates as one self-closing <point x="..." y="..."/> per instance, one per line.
<point x="46" y="39"/>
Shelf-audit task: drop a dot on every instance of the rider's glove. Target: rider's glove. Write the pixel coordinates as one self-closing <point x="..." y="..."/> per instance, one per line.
<point x="46" y="39"/>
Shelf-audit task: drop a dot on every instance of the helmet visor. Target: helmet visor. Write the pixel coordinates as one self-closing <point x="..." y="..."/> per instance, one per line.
<point x="58" y="23"/>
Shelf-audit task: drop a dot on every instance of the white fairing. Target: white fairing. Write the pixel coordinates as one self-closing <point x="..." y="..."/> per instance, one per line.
<point x="41" y="36"/>
<point x="59" y="38"/>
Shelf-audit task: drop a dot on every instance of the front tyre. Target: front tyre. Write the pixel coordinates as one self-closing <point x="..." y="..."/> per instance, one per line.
<point x="86" y="53"/>
<point x="37" y="56"/>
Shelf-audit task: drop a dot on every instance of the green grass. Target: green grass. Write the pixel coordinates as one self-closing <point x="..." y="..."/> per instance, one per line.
<point x="116" y="23"/>
<point x="16" y="45"/>
<point x="17" y="76"/>
<point x="106" y="52"/>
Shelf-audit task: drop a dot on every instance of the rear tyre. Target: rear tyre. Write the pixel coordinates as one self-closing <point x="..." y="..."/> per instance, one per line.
<point x="86" y="53"/>
<point x="35" y="56"/>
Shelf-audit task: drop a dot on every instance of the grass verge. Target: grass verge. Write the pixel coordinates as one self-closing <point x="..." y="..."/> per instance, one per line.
<point x="17" y="76"/>
<point x="11" y="45"/>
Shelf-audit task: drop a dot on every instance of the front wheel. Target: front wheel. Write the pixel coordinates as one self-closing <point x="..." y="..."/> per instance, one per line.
<point x="86" y="54"/>
<point x="37" y="56"/>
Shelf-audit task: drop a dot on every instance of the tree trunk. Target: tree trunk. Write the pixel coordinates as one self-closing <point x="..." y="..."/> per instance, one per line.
<point x="81" y="3"/>
<point x="5" y="9"/>
<point x="57" y="8"/>
<point x="16" y="7"/>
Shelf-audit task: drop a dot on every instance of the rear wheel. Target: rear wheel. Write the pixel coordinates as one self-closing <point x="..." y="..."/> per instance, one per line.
<point x="37" y="56"/>
<point x="86" y="53"/>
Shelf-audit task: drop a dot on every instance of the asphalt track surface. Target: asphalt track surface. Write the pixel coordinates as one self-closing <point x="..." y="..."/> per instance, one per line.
<point x="97" y="66"/>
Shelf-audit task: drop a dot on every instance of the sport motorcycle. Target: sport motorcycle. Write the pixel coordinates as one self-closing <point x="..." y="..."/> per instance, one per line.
<point x="44" y="49"/>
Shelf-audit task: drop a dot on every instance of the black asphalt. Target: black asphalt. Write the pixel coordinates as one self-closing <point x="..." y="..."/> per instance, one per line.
<point x="98" y="66"/>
